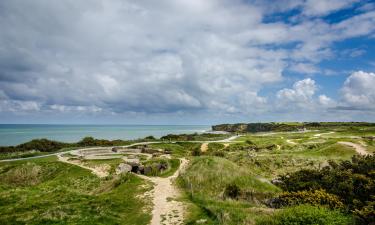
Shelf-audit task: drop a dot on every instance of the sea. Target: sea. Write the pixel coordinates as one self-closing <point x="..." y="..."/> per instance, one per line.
<point x="14" y="134"/>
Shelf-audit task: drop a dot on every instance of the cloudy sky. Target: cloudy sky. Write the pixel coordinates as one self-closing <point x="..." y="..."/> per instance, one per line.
<point x="186" y="61"/>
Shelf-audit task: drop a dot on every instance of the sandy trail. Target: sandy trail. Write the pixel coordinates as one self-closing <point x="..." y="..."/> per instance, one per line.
<point x="361" y="150"/>
<point x="100" y="171"/>
<point x="319" y="135"/>
<point x="291" y="142"/>
<point x="204" y="147"/>
<point x="167" y="210"/>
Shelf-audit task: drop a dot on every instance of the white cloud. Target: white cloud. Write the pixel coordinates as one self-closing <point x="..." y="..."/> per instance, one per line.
<point x="323" y="7"/>
<point x="358" y="91"/>
<point x="168" y="56"/>
<point x="304" y="68"/>
<point x="302" y="92"/>
<point x="18" y="106"/>
<point x="326" y="101"/>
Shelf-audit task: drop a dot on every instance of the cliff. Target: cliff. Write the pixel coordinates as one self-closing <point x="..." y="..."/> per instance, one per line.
<point x="294" y="126"/>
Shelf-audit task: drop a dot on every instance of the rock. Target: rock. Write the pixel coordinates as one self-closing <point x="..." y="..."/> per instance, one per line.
<point x="114" y="149"/>
<point x="276" y="181"/>
<point x="162" y="166"/>
<point x="123" y="168"/>
<point x="141" y="169"/>
<point x="201" y="221"/>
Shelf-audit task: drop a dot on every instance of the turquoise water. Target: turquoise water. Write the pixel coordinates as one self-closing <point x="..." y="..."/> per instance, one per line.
<point x="13" y="134"/>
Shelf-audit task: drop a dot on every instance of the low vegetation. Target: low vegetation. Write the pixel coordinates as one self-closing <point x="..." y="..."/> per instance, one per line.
<point x="222" y="190"/>
<point x="50" y="192"/>
<point x="350" y="182"/>
<point x="161" y="167"/>
<point x="272" y="178"/>
<point x="306" y="215"/>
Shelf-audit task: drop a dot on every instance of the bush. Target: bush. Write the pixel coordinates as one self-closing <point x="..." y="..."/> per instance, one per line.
<point x="213" y="147"/>
<point x="232" y="191"/>
<point x="366" y="215"/>
<point x="316" y="198"/>
<point x="196" y="151"/>
<point x="352" y="181"/>
<point x="219" y="154"/>
<point x="306" y="215"/>
<point x="42" y="145"/>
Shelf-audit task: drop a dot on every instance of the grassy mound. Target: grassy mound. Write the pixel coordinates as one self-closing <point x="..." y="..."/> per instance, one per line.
<point x="207" y="180"/>
<point x="50" y="192"/>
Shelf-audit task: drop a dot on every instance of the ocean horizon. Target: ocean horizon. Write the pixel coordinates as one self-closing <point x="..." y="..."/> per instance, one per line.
<point x="14" y="134"/>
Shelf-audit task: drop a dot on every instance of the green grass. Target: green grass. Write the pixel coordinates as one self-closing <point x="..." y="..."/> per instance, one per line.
<point x="306" y="215"/>
<point x="113" y="163"/>
<point x="205" y="181"/>
<point x="330" y="151"/>
<point x="173" y="165"/>
<point x="44" y="191"/>
<point x="178" y="149"/>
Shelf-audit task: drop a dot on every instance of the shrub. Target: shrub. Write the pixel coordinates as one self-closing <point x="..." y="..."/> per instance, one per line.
<point x="196" y="151"/>
<point x="219" y="154"/>
<point x="232" y="191"/>
<point x="213" y="147"/>
<point x="316" y="198"/>
<point x="306" y="215"/>
<point x="366" y="215"/>
<point x="353" y="182"/>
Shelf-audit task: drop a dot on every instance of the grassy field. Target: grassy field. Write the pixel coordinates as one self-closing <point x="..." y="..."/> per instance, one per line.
<point x="250" y="165"/>
<point x="45" y="191"/>
<point x="206" y="181"/>
<point x="230" y="183"/>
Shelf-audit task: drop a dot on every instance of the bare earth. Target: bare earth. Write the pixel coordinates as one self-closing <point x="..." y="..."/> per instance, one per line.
<point x="291" y="142"/>
<point x="319" y="135"/>
<point x="167" y="210"/>
<point x="358" y="148"/>
<point x="100" y="171"/>
<point x="204" y="147"/>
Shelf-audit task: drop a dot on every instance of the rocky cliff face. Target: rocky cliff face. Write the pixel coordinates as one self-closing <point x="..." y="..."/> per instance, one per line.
<point x="255" y="127"/>
<point x="240" y="127"/>
<point x="264" y="127"/>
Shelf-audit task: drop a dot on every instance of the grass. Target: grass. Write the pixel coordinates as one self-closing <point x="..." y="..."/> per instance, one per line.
<point x="306" y="215"/>
<point x="205" y="181"/>
<point x="173" y="165"/>
<point x="45" y="191"/>
<point x="178" y="149"/>
<point x="113" y="163"/>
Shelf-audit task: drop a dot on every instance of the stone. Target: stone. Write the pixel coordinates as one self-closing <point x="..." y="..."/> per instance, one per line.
<point x="123" y="168"/>
<point x="276" y="181"/>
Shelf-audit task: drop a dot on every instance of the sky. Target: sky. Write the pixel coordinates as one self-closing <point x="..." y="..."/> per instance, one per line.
<point x="186" y="61"/>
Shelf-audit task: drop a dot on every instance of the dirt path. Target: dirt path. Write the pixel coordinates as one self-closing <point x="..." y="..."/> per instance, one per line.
<point x="167" y="210"/>
<point x="361" y="150"/>
<point x="291" y="142"/>
<point x="319" y="135"/>
<point x="204" y="147"/>
<point x="100" y="171"/>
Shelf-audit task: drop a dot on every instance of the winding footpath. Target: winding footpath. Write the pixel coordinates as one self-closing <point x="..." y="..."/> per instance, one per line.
<point x="361" y="150"/>
<point x="167" y="209"/>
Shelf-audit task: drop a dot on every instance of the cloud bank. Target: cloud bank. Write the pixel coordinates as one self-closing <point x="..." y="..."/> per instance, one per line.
<point x="172" y="56"/>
